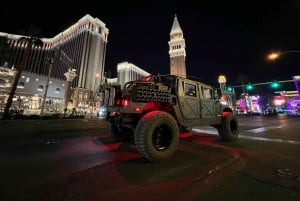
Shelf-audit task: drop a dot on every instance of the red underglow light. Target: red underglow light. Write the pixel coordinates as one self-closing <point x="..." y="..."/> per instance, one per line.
<point x="185" y="135"/>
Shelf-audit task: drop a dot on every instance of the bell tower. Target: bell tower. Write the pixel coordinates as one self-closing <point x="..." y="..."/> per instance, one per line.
<point x="177" y="50"/>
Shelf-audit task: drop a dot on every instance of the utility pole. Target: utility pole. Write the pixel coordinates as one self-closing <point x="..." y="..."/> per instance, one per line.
<point x="51" y="61"/>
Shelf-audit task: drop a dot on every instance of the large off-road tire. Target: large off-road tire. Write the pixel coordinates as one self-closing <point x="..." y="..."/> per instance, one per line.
<point x="229" y="128"/>
<point x="156" y="136"/>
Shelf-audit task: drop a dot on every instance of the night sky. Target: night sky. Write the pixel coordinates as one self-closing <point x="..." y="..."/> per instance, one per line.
<point x="222" y="37"/>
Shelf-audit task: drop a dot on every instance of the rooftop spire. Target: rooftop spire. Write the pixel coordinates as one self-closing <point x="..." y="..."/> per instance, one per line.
<point x="175" y="27"/>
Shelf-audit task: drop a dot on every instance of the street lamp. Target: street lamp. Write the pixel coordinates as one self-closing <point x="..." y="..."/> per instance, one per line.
<point x="95" y="92"/>
<point x="275" y="55"/>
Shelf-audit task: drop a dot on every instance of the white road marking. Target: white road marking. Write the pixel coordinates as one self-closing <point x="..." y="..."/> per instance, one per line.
<point x="208" y="130"/>
<point x="257" y="130"/>
<point x="269" y="139"/>
<point x="262" y="129"/>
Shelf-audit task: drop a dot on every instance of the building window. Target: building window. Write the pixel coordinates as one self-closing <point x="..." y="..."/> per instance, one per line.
<point x="40" y="88"/>
<point x="57" y="90"/>
<point x="2" y="83"/>
<point x="21" y="85"/>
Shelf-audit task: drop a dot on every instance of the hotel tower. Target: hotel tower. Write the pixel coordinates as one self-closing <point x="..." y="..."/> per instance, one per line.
<point x="81" y="48"/>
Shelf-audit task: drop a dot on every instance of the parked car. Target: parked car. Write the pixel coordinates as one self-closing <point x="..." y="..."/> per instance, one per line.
<point x="270" y="111"/>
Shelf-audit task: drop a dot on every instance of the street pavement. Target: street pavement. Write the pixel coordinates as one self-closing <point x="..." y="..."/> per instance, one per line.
<point x="257" y="167"/>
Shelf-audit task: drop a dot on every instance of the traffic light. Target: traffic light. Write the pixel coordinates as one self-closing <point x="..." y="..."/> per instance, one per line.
<point x="230" y="88"/>
<point x="249" y="87"/>
<point x="275" y="85"/>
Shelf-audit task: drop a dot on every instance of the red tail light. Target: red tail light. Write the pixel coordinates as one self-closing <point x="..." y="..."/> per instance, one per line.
<point x="118" y="102"/>
<point x="124" y="102"/>
<point x="224" y="114"/>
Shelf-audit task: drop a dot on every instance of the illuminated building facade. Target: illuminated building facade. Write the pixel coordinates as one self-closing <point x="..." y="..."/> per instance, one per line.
<point x="127" y="72"/>
<point x="177" y="50"/>
<point x="81" y="47"/>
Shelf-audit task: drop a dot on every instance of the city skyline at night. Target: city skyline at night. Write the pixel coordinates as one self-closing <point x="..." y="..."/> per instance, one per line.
<point x="231" y="38"/>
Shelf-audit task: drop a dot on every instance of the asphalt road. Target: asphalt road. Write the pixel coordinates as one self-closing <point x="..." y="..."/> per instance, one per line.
<point x="78" y="160"/>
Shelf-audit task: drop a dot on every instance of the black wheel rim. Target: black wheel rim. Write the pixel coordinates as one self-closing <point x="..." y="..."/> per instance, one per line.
<point x="162" y="137"/>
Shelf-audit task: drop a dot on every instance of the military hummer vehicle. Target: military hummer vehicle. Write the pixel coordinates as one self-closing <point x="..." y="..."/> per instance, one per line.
<point x="154" y="110"/>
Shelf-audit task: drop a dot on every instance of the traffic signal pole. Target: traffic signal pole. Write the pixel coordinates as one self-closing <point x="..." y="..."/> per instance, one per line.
<point x="265" y="83"/>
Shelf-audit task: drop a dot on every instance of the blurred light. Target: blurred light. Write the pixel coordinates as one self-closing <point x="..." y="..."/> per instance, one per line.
<point x="273" y="56"/>
<point x="222" y="79"/>
<point x="229" y="88"/>
<point x="296" y="77"/>
<point x="249" y="87"/>
<point x="223" y="100"/>
<point x="279" y="100"/>
<point x="137" y="109"/>
<point x="124" y="102"/>
<point x="275" y="85"/>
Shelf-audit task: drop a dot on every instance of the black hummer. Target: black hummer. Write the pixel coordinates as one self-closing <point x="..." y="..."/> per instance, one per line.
<point x="156" y="109"/>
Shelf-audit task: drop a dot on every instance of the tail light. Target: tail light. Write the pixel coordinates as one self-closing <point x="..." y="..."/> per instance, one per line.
<point x="124" y="102"/>
<point x="121" y="102"/>
<point x="224" y="114"/>
<point x="118" y="101"/>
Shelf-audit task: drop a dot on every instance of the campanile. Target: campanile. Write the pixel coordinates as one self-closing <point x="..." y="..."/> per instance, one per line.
<point x="177" y="50"/>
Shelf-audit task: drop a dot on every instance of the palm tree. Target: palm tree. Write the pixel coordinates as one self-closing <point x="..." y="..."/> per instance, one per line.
<point x="242" y="79"/>
<point x="31" y="43"/>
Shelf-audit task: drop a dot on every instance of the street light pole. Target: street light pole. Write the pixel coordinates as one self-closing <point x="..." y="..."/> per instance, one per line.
<point x="264" y="83"/>
<point x="295" y="79"/>
<point x="70" y="75"/>
<point x="275" y="55"/>
<point x="94" y="93"/>
<point x="51" y="61"/>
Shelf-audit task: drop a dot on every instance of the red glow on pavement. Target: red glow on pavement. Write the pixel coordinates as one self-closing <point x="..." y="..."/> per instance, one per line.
<point x="126" y="156"/>
<point x="205" y="139"/>
<point x="185" y="135"/>
<point x="109" y="147"/>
